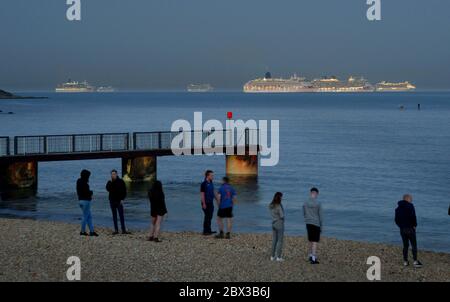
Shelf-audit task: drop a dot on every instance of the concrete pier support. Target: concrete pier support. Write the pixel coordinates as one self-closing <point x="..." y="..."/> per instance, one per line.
<point x="246" y="165"/>
<point x="18" y="178"/>
<point x="139" y="169"/>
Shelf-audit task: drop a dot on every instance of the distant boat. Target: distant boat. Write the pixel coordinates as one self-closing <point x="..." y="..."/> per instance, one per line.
<point x="106" y="89"/>
<point x="402" y="86"/>
<point x="74" y="86"/>
<point x="199" y="88"/>
<point x="297" y="84"/>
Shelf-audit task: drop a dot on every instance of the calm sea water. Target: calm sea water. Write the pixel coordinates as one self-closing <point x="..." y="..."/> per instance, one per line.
<point x="359" y="149"/>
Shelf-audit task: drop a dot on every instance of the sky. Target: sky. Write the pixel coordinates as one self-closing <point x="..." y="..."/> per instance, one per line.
<point x="168" y="44"/>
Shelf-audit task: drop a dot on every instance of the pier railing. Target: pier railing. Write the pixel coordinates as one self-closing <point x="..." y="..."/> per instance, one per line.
<point x="109" y="142"/>
<point x="163" y="140"/>
<point x="4" y="146"/>
<point x="76" y="143"/>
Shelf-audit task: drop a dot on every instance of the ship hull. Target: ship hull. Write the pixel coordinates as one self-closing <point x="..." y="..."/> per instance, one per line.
<point x="64" y="90"/>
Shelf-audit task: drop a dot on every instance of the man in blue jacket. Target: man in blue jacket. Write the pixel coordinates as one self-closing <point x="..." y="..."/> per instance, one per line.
<point x="405" y="218"/>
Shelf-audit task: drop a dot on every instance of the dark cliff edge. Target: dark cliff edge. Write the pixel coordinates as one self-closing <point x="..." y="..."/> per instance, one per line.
<point x="9" y="95"/>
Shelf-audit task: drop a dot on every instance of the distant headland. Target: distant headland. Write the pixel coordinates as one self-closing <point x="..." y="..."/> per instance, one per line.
<point x="8" y="95"/>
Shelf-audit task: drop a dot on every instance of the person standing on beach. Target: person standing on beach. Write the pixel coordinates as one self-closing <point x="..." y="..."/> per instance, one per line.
<point x="277" y="211"/>
<point x="85" y="198"/>
<point x="157" y="210"/>
<point x="117" y="193"/>
<point x="405" y="218"/>
<point x="207" y="196"/>
<point x="312" y="212"/>
<point x="226" y="200"/>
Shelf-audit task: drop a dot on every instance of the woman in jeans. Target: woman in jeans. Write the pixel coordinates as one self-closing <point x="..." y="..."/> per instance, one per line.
<point x="85" y="197"/>
<point x="157" y="208"/>
<point x="277" y="211"/>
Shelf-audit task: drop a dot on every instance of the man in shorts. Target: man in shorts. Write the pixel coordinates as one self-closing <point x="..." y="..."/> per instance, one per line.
<point x="226" y="200"/>
<point x="312" y="212"/>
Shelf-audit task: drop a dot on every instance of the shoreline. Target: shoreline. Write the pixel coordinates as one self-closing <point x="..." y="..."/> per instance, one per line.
<point x="35" y="250"/>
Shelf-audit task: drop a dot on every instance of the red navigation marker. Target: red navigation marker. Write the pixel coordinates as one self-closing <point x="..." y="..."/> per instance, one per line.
<point x="229" y="115"/>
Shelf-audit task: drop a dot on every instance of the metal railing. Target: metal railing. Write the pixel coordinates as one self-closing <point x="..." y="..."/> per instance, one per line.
<point x="76" y="143"/>
<point x="163" y="140"/>
<point x="4" y="145"/>
<point x="85" y="143"/>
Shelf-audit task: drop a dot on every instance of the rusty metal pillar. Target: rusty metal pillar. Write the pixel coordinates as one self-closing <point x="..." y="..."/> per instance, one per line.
<point x="139" y="169"/>
<point x="18" y="177"/>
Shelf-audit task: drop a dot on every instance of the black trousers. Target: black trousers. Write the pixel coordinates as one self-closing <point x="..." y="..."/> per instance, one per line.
<point x="209" y="212"/>
<point x="409" y="235"/>
<point x="118" y="207"/>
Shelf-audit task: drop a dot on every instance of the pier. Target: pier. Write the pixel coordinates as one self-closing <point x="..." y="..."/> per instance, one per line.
<point x="20" y="155"/>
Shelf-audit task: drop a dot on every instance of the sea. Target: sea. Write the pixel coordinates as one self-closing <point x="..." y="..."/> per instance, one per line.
<point x="363" y="151"/>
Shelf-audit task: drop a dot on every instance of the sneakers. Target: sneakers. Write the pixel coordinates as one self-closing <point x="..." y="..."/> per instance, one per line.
<point x="83" y="234"/>
<point x="126" y="232"/>
<point x="93" y="234"/>
<point x="220" y="235"/>
<point x="279" y="259"/>
<point x="272" y="258"/>
<point x="115" y="233"/>
<point x="417" y="264"/>
<point x="156" y="239"/>
<point x="209" y="233"/>
<point x="151" y="238"/>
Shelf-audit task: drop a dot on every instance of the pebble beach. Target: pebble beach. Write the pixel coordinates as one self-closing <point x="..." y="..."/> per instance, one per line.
<point x="38" y="250"/>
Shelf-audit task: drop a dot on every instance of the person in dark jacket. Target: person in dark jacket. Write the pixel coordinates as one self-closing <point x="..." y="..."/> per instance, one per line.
<point x="405" y="218"/>
<point x="157" y="210"/>
<point x="117" y="194"/>
<point x="85" y="198"/>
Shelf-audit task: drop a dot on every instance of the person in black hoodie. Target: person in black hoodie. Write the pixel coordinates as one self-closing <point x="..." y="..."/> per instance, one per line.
<point x="117" y="193"/>
<point x="157" y="209"/>
<point x="405" y="218"/>
<point x="85" y="197"/>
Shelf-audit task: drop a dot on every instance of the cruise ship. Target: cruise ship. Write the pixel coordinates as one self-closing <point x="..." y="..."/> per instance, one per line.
<point x="300" y="84"/>
<point x="402" y="86"/>
<point x="200" y="88"/>
<point x="73" y="86"/>
<point x="106" y="89"/>
<point x="333" y="84"/>
<point x="274" y="85"/>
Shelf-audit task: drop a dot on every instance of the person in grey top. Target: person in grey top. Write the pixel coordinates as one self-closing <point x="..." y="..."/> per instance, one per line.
<point x="277" y="211"/>
<point x="312" y="213"/>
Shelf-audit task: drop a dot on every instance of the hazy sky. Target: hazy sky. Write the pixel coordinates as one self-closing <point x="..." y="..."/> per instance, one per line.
<point x="167" y="44"/>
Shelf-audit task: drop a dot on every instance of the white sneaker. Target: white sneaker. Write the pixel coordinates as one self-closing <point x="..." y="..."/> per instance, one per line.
<point x="272" y="258"/>
<point x="279" y="259"/>
<point x="417" y="263"/>
<point x="405" y="263"/>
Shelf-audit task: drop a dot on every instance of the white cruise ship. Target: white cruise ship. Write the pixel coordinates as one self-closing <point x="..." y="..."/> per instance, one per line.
<point x="74" y="86"/>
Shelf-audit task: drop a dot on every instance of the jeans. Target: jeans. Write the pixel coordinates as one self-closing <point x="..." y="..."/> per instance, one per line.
<point x="118" y="208"/>
<point x="209" y="212"/>
<point x="409" y="235"/>
<point x="85" y="206"/>
<point x="277" y="241"/>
